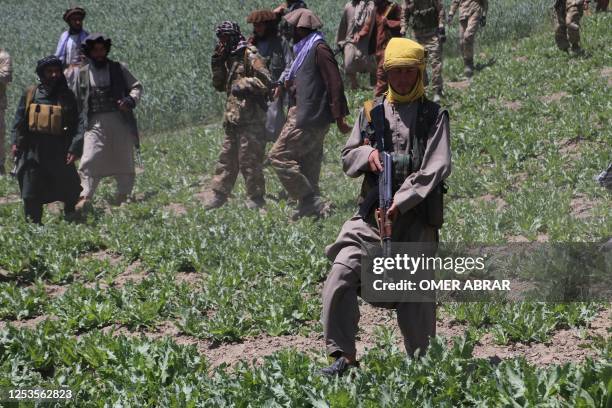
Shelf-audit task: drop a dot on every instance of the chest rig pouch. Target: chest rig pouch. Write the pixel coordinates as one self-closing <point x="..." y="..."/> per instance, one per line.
<point x="404" y="164"/>
<point x="45" y="119"/>
<point x="424" y="15"/>
<point x="101" y="100"/>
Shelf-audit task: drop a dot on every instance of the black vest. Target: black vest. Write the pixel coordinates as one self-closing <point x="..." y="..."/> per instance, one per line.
<point x="312" y="100"/>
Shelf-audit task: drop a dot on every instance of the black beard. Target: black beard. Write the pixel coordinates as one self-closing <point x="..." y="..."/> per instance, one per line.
<point x="74" y="30"/>
<point x="99" y="64"/>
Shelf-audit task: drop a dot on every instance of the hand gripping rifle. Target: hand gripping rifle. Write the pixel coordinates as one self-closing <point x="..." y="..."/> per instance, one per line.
<point x="385" y="179"/>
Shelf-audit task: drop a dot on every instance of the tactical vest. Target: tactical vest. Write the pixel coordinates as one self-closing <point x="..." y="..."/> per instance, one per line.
<point x="424" y="15"/>
<point x="312" y="104"/>
<point x="404" y="165"/>
<point x="42" y="118"/>
<point x="101" y="100"/>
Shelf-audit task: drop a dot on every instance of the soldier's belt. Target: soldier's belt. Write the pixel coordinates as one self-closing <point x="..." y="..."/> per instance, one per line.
<point x="45" y="119"/>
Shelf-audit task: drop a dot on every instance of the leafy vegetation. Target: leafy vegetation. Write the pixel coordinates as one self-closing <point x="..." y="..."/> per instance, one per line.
<point x="528" y="134"/>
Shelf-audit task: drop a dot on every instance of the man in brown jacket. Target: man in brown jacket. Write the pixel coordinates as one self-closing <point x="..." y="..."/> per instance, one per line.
<point x="314" y="79"/>
<point x="387" y="24"/>
<point x="404" y="107"/>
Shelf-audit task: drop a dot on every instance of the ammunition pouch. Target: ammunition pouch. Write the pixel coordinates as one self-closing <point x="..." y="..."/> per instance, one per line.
<point x="425" y="19"/>
<point x="45" y="119"/>
<point x="402" y="168"/>
<point x="101" y="100"/>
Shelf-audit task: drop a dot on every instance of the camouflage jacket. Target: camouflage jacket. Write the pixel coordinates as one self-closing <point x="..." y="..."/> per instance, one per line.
<point x="423" y="16"/>
<point x="468" y="8"/>
<point x="245" y="79"/>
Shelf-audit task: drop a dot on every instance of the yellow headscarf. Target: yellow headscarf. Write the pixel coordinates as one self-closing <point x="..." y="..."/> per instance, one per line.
<point x="405" y="53"/>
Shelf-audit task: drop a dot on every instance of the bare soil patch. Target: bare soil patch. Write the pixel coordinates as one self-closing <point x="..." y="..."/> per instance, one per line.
<point x="134" y="273"/>
<point x="461" y="85"/>
<point x="555" y="97"/>
<point x="565" y="346"/>
<point x="10" y="199"/>
<point x="582" y="206"/>
<point x="500" y="203"/>
<point x="175" y="209"/>
<point x="606" y="73"/>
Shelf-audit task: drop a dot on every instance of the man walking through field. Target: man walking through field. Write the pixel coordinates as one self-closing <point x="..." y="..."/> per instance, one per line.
<point x="419" y="135"/>
<point x="567" y="25"/>
<point x="6" y="76"/>
<point x="314" y="79"/>
<point x="241" y="73"/>
<point x="472" y="15"/>
<point x="107" y="94"/>
<point x="427" y="19"/>
<point x="353" y="37"/>
<point x="387" y="24"/>
<point x="69" y="45"/>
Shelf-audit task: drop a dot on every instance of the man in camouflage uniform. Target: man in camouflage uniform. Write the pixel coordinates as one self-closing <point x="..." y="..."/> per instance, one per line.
<point x="472" y="14"/>
<point x="240" y="72"/>
<point x="278" y="55"/>
<point x="426" y="17"/>
<point x="6" y="76"/>
<point x="567" y="24"/>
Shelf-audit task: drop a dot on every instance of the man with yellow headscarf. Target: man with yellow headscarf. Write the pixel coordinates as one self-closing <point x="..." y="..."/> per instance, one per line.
<point x="418" y="135"/>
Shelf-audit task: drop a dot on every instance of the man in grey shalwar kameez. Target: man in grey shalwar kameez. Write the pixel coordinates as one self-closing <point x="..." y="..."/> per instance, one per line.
<point x="412" y="123"/>
<point x="107" y="93"/>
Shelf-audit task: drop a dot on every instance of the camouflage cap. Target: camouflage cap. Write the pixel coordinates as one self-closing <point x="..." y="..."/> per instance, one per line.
<point x="261" y="16"/>
<point x="74" y="11"/>
<point x="229" y="28"/>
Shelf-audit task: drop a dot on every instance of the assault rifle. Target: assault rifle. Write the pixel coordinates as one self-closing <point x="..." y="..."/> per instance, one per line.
<point x="385" y="179"/>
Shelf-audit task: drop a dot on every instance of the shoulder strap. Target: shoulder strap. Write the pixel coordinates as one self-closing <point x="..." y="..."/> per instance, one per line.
<point x="30" y="95"/>
<point x="30" y="92"/>
<point x="426" y="117"/>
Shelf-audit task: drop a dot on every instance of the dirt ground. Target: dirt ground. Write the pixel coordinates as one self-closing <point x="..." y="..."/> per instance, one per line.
<point x="566" y="345"/>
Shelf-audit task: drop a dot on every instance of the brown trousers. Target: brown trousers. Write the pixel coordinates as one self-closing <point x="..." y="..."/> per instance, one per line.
<point x="296" y="156"/>
<point x="340" y="313"/>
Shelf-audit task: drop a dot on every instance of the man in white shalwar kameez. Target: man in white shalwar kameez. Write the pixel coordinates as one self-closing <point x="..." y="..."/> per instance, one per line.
<point x="107" y="93"/>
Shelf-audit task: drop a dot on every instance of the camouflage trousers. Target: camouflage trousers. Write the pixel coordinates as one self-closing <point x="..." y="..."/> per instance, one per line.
<point x="468" y="28"/>
<point x="567" y="24"/>
<point x="434" y="57"/>
<point x="242" y="151"/>
<point x="2" y="137"/>
<point x="297" y="156"/>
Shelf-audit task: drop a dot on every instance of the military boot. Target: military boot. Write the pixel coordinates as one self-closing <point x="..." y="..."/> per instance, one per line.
<point x="339" y="367"/>
<point x="213" y="199"/>
<point x="257" y="203"/>
<point x="311" y="206"/>
<point x="576" y="51"/>
<point x="119" y="199"/>
<point x="469" y="67"/>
